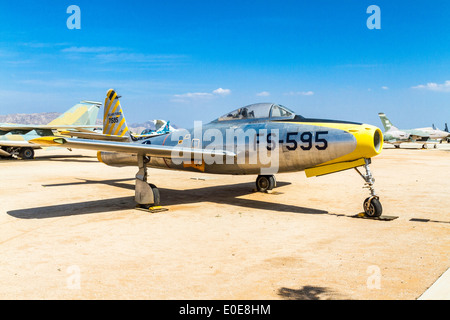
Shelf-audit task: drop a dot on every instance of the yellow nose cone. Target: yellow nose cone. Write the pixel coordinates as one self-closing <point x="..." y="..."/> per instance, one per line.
<point x="369" y="141"/>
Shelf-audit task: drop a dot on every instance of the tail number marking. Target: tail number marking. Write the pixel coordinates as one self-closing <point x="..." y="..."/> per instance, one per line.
<point x="113" y="120"/>
<point x="307" y="140"/>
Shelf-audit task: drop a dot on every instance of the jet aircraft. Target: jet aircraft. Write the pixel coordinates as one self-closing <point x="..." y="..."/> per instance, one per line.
<point x="446" y="130"/>
<point x="161" y="127"/>
<point x="14" y="138"/>
<point x="260" y="139"/>
<point x="396" y="136"/>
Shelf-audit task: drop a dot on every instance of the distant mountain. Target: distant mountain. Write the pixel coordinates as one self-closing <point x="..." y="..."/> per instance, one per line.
<point x="32" y="118"/>
<point x="46" y="117"/>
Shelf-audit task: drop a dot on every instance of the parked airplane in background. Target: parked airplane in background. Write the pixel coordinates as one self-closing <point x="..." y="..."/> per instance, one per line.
<point x="446" y="130"/>
<point x="396" y="136"/>
<point x="260" y="139"/>
<point x="161" y="127"/>
<point x="14" y="138"/>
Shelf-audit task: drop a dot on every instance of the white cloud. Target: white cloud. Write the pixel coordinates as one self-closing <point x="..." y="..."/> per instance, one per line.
<point x="222" y="92"/>
<point x="300" y="93"/>
<point x="90" y="49"/>
<point x="193" y="95"/>
<point x="444" y="87"/>
<point x="200" y="95"/>
<point x="384" y="88"/>
<point x="263" y="94"/>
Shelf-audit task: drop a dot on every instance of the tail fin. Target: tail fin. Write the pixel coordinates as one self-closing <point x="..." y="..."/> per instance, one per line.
<point x="83" y="113"/>
<point x="446" y="127"/>
<point x="162" y="126"/>
<point x="113" y="118"/>
<point x="386" y="123"/>
<point x="167" y="126"/>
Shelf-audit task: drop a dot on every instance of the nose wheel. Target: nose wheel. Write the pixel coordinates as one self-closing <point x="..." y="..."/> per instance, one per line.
<point x="372" y="205"/>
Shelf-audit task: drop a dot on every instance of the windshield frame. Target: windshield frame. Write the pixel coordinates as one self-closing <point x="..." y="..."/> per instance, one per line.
<point x="242" y="113"/>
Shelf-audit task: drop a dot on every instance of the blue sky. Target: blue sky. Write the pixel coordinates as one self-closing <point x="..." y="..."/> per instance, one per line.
<point x="196" y="60"/>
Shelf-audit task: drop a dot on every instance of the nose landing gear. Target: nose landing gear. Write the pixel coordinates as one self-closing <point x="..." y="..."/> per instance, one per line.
<point x="372" y="205"/>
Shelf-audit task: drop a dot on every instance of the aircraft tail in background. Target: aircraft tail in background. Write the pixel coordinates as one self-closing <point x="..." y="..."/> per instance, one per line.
<point x="387" y="124"/>
<point x="114" y="122"/>
<point x="83" y="113"/>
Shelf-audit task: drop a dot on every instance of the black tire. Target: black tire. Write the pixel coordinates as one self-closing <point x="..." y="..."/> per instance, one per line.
<point x="26" y="153"/>
<point x="156" y="195"/>
<point x="374" y="209"/>
<point x="265" y="183"/>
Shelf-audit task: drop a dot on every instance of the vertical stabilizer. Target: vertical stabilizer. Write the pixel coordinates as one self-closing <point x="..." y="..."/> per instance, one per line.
<point x="387" y="124"/>
<point x="113" y="118"/>
<point x="83" y="113"/>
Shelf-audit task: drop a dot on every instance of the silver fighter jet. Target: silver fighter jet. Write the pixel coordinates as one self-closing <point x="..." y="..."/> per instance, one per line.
<point x="260" y="139"/>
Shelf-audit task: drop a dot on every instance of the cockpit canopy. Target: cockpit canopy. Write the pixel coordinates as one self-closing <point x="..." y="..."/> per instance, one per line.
<point x="259" y="111"/>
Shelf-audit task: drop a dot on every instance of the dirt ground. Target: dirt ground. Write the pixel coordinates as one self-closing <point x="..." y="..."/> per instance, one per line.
<point x="69" y="230"/>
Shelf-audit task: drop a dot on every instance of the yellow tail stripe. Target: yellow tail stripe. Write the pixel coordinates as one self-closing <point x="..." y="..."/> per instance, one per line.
<point x="110" y="103"/>
<point x="120" y="126"/>
<point x="124" y="131"/>
<point x="115" y="107"/>
<point x="111" y="127"/>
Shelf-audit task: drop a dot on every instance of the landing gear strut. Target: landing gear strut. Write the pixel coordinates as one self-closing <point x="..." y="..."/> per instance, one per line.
<point x="146" y="194"/>
<point x="372" y="205"/>
<point x="265" y="183"/>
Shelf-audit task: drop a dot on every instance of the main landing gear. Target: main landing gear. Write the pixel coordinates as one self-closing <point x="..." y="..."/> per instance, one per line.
<point x="372" y="205"/>
<point x="265" y="183"/>
<point x="146" y="194"/>
<point x="24" y="153"/>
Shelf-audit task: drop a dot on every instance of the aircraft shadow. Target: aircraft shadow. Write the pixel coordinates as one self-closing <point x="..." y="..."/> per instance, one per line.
<point x="229" y="194"/>
<point x="112" y="182"/>
<point x="66" y="158"/>
<point x="226" y="194"/>
<point x="307" y="293"/>
<point x="61" y="158"/>
<point x="73" y="209"/>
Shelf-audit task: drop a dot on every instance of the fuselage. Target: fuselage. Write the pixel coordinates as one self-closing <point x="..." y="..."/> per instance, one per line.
<point x="274" y="146"/>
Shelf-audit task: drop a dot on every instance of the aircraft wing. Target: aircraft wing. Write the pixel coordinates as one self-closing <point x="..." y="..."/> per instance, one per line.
<point x="132" y="148"/>
<point x="108" y="137"/>
<point x="419" y="137"/>
<point x="17" y="143"/>
<point x="95" y="136"/>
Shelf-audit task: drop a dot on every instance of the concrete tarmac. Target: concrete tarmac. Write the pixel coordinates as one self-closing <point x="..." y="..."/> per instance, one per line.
<point x="69" y="230"/>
